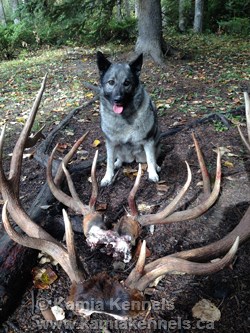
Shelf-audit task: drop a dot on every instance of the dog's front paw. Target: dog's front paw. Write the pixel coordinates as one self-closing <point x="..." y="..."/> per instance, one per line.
<point x="153" y="177"/>
<point x="106" y="180"/>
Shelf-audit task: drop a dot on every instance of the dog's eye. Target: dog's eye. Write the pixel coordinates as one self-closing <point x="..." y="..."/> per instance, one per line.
<point x="126" y="83"/>
<point x="111" y="82"/>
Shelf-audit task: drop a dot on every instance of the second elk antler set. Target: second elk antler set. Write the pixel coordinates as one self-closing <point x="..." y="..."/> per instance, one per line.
<point x="89" y="291"/>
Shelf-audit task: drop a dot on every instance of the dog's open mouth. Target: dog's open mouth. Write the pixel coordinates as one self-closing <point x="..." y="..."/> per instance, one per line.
<point x="117" y="108"/>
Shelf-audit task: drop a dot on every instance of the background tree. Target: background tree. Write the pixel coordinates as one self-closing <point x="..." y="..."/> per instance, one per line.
<point x="14" y="4"/>
<point x="182" y="25"/>
<point x="150" y="38"/>
<point x="198" y="16"/>
<point x="2" y="14"/>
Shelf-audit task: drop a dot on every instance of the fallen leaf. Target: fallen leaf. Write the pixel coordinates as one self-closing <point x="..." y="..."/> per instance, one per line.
<point x="69" y="132"/>
<point x="101" y="206"/>
<point x="228" y="164"/>
<point x="223" y="150"/>
<point x="129" y="172"/>
<point x="232" y="155"/>
<point x="43" y="277"/>
<point x="21" y="119"/>
<point x="144" y="208"/>
<point x="83" y="154"/>
<point x="96" y="143"/>
<point x="28" y="155"/>
<point x="62" y="146"/>
<point x="89" y="95"/>
<point x="206" y="311"/>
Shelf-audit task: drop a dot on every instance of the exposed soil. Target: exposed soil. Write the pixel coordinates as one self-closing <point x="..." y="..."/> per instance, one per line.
<point x="228" y="289"/>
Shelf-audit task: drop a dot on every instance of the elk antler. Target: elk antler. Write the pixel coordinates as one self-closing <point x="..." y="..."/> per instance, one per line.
<point x="87" y="295"/>
<point x="142" y="275"/>
<point x="98" y="287"/>
<point x="91" y="217"/>
<point x="246" y="90"/>
<point x="10" y="186"/>
<point x="168" y="214"/>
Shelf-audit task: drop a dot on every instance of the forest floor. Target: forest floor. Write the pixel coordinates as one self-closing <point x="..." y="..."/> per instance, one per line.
<point x="185" y="90"/>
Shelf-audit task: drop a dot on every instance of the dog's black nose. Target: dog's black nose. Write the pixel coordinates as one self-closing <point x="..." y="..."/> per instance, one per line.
<point x="118" y="99"/>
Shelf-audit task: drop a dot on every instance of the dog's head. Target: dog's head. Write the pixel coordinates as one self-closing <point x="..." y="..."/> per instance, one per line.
<point x="119" y="81"/>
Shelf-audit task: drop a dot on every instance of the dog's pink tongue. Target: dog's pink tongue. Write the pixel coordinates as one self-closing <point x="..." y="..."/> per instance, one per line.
<point x="117" y="108"/>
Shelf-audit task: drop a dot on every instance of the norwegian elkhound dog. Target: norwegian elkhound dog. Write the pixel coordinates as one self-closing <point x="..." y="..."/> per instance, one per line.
<point x="128" y="117"/>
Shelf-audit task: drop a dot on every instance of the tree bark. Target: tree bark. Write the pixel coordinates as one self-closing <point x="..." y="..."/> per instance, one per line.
<point x="150" y="39"/>
<point x="127" y="8"/>
<point x="198" y="16"/>
<point x="2" y="14"/>
<point x="182" y="25"/>
<point x="119" y="10"/>
<point x="14" y="7"/>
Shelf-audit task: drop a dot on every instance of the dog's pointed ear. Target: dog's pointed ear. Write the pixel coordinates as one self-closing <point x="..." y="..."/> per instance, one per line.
<point x="136" y="64"/>
<point x="102" y="62"/>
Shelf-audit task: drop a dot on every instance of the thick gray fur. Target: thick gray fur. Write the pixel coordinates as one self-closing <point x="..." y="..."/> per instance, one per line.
<point x="134" y="133"/>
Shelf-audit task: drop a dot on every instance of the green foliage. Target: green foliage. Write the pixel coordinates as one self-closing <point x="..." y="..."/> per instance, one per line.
<point x="233" y="14"/>
<point x="219" y="126"/>
<point x="124" y="30"/>
<point x="92" y="22"/>
<point x="236" y="26"/>
<point x="13" y="37"/>
<point x="56" y="23"/>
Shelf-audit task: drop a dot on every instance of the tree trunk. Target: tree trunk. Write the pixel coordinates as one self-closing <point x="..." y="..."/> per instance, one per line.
<point x="198" y="16"/>
<point x="182" y="25"/>
<point x="136" y="8"/>
<point x="2" y="14"/>
<point x="150" y="39"/>
<point x="14" y="4"/>
<point x="119" y="10"/>
<point x="127" y="8"/>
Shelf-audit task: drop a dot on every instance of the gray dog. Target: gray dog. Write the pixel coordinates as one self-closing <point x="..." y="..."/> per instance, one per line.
<point x="128" y="117"/>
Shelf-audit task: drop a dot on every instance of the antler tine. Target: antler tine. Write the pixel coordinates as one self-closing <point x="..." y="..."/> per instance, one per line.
<point x="137" y="272"/>
<point x="72" y="202"/>
<point x="203" y="206"/>
<point x="94" y="193"/>
<point x="67" y="158"/>
<point x="160" y="217"/>
<point x="2" y="174"/>
<point x="16" y="160"/>
<point x="247" y="110"/>
<point x="132" y="193"/>
<point x="237" y="236"/>
<point x="8" y="190"/>
<point x="244" y="140"/>
<point x="195" y="211"/>
<point x="246" y="89"/>
<point x="221" y="246"/>
<point x="54" y="249"/>
<point x="72" y="189"/>
<point x="173" y="265"/>
<point x="32" y="140"/>
<point x="203" y="168"/>
<point x="70" y="244"/>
